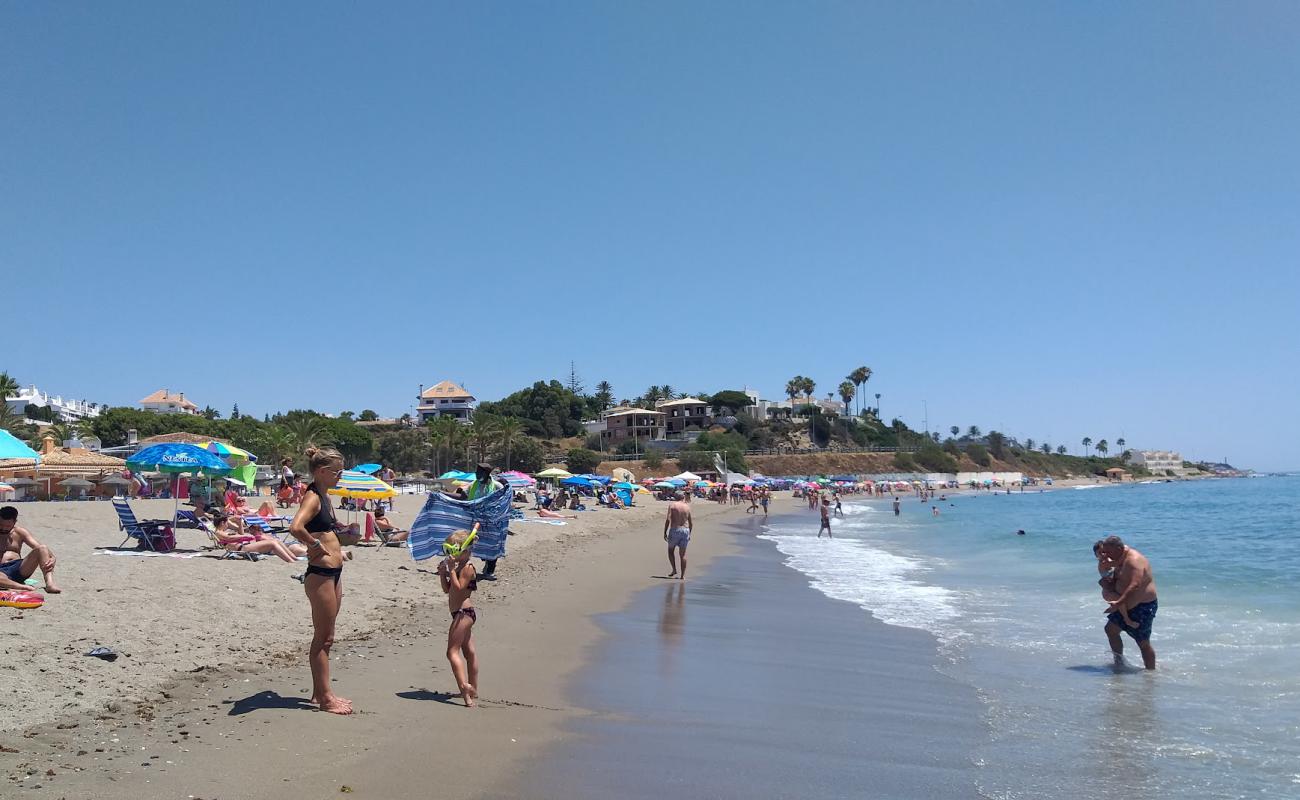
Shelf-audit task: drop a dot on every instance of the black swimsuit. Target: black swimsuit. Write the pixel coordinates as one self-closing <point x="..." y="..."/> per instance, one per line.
<point x="323" y="522"/>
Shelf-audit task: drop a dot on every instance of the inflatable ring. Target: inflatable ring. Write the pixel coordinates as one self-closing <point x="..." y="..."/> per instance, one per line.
<point x="22" y="599"/>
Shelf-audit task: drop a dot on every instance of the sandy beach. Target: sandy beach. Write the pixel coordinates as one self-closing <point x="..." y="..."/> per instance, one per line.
<point x="212" y="674"/>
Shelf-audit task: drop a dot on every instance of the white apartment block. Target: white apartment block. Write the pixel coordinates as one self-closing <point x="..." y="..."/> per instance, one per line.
<point x="65" y="409"/>
<point x="1157" y="461"/>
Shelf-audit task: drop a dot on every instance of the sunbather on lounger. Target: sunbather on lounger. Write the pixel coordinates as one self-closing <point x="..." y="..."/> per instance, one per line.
<point x="548" y="514"/>
<point x="233" y="536"/>
<point x="388" y="532"/>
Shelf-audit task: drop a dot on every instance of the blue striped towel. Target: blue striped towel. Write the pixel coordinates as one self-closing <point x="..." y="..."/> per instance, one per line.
<point x="443" y="515"/>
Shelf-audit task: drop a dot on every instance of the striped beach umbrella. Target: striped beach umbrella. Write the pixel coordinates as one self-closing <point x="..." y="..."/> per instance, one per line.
<point x="228" y="452"/>
<point x="362" y="487"/>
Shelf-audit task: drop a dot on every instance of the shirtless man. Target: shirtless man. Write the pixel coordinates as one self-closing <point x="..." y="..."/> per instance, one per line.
<point x="14" y="569"/>
<point x="678" y="525"/>
<point x="1137" y="595"/>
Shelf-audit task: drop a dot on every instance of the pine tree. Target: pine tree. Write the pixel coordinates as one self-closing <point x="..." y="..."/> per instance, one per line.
<point x="575" y="383"/>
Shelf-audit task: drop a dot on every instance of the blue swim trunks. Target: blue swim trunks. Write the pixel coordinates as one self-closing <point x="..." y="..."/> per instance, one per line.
<point x="1143" y="614"/>
<point x="13" y="570"/>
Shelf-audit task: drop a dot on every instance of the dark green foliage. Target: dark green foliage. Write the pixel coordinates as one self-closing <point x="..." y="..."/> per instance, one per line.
<point x="594" y="442"/>
<point x="404" y="451"/>
<point x="628" y="447"/>
<point x="905" y="463"/>
<point x="699" y="454"/>
<point x="547" y="409"/>
<point x="654" y="458"/>
<point x="819" y="430"/>
<point x="581" y="460"/>
<point x="950" y="447"/>
<point x="936" y="460"/>
<point x="368" y="415"/>
<point x="978" y="454"/>
<point x="40" y="413"/>
<point x="729" y="399"/>
<point x="997" y="445"/>
<point x="526" y="455"/>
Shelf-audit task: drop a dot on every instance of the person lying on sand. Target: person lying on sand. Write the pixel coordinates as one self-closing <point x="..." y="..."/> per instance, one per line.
<point x="232" y="536"/>
<point x="14" y="568"/>
<point x="459" y="581"/>
<point x="548" y="514"/>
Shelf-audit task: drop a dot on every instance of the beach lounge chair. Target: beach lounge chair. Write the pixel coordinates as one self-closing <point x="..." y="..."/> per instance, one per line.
<point x="150" y="534"/>
<point x="233" y="555"/>
<point x="188" y="519"/>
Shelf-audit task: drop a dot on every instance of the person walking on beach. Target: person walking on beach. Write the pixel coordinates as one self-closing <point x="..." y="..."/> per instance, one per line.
<point x="678" y="525"/>
<point x="1136" y="588"/>
<point x="826" y="518"/>
<point x="13" y="566"/>
<point x="459" y="582"/>
<point x="314" y="526"/>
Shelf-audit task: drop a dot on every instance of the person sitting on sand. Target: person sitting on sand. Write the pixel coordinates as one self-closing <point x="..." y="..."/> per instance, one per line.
<point x="459" y="581"/>
<point x="388" y="532"/>
<point x="232" y="536"/>
<point x="14" y="568"/>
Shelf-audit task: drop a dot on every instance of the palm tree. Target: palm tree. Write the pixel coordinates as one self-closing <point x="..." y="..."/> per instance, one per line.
<point x="1120" y="443"/>
<point x="8" y="386"/>
<point x="604" y="395"/>
<point x="483" y="430"/>
<point x="306" y="432"/>
<point x="666" y="392"/>
<point x="793" y="388"/>
<point x="809" y="388"/>
<point x="1047" y="449"/>
<point x="1029" y="445"/>
<point x="446" y="434"/>
<point x="955" y="431"/>
<point x="508" y="431"/>
<point x="1061" y="450"/>
<point x="847" y="390"/>
<point x="278" y="443"/>
<point x="1102" y="447"/>
<point x="9" y="421"/>
<point x="1087" y="442"/>
<point x="973" y="431"/>
<point x="859" y="377"/>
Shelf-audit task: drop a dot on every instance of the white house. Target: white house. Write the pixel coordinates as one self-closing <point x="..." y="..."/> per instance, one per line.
<point x="446" y="399"/>
<point x="1157" y="462"/>
<point x="65" y="409"/>
<point x="164" y="401"/>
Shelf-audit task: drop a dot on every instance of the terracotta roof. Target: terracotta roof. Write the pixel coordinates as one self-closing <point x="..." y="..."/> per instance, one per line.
<point x="445" y="389"/>
<point x="65" y="460"/>
<point x="164" y="396"/>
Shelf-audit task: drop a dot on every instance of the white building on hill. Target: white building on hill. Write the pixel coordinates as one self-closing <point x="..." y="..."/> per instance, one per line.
<point x="164" y="401"/>
<point x="65" y="409"/>
<point x="446" y="399"/>
<point x="1157" y="462"/>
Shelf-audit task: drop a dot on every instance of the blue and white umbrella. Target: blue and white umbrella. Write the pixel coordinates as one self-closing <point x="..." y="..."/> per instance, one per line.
<point x="177" y="458"/>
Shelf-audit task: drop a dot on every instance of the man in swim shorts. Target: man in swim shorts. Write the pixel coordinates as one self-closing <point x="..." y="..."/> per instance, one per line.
<point x="678" y="525"/>
<point x="14" y="568"/>
<point x="1136" y="586"/>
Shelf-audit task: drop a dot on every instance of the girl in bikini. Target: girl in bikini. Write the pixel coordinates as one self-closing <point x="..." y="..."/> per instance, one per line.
<point x="314" y="526"/>
<point x="459" y="581"/>
<point x="232" y="536"/>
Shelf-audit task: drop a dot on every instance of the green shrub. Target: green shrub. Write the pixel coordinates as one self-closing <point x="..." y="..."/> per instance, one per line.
<point x="936" y="460"/>
<point x="978" y="454"/>
<point x="904" y="462"/>
<point x="581" y="460"/>
<point x="654" y="458"/>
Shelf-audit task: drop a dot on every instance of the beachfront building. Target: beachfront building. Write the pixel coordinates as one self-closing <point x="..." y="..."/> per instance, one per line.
<point x="688" y="413"/>
<point x="446" y="399"/>
<point x="164" y="401"/>
<point x="1157" y="462"/>
<point x="61" y="409"/>
<point x="631" y="424"/>
<point x="58" y="464"/>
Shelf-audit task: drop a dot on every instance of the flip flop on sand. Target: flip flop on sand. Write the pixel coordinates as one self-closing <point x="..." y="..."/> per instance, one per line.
<point x="106" y="653"/>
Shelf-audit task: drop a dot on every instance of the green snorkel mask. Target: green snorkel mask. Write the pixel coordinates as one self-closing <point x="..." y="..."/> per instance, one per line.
<point x="457" y="550"/>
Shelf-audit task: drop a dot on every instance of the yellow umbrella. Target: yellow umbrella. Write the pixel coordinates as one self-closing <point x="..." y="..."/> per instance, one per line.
<point x="554" y="472"/>
<point x="362" y="487"/>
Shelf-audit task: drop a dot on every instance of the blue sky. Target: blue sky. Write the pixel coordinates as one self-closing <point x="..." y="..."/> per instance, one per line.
<point x="1053" y="219"/>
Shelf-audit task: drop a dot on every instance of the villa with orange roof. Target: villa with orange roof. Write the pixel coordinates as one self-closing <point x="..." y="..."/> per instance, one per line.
<point x="164" y="401"/>
<point x="446" y="399"/>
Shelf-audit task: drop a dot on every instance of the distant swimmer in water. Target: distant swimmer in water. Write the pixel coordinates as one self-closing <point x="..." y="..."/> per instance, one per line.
<point x="934" y="510"/>
<point x="1020" y="532"/>
<point x="898" y="508"/>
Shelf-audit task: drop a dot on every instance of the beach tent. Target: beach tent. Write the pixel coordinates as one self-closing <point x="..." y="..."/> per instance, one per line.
<point x="687" y="476"/>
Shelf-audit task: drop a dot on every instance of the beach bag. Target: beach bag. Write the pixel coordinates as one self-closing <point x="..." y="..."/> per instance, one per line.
<point x="162" y="539"/>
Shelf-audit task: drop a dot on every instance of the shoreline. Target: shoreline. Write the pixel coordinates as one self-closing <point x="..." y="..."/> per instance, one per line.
<point x="178" y="734"/>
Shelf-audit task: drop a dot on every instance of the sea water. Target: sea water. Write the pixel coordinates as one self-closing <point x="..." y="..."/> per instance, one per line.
<point x="1020" y="619"/>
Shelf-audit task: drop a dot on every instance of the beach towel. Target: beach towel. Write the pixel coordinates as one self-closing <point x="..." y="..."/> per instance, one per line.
<point x="112" y="551"/>
<point x="442" y="515"/>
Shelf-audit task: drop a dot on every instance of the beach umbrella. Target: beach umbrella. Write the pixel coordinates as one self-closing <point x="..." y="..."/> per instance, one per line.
<point x="665" y="485"/>
<point x="368" y="469"/>
<point x="177" y="458"/>
<point x="6" y="488"/>
<point x="228" y="452"/>
<point x="625" y="485"/>
<point x="456" y="475"/>
<point x="361" y="486"/>
<point x="115" y="480"/>
<point x="553" y="472"/>
<point x="687" y="476"/>
<point x="76" y="483"/>
<point x="622" y="475"/>
<point x="22" y="482"/>
<point x="11" y="447"/>
<point x="577" y="480"/>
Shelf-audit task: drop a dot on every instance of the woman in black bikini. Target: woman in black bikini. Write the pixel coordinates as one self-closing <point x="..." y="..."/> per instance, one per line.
<point x="314" y="526"/>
